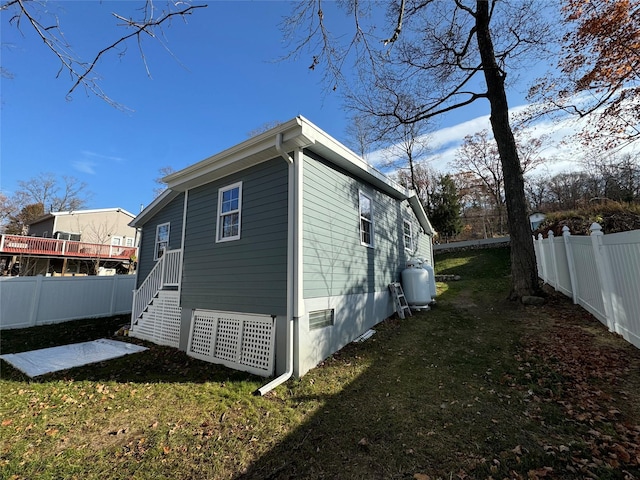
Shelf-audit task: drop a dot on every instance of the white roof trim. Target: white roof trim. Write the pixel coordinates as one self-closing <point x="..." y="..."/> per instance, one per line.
<point x="49" y="215"/>
<point x="421" y="215"/>
<point x="154" y="207"/>
<point x="297" y="133"/>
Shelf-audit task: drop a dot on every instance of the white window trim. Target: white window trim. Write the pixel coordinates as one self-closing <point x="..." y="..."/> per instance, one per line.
<point x="156" y="242"/>
<point x="411" y="247"/>
<point x="114" y="238"/>
<point x="129" y="241"/>
<point x="361" y="218"/>
<point x="221" y="191"/>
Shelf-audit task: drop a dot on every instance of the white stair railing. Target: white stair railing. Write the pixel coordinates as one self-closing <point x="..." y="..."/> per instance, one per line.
<point x="166" y="272"/>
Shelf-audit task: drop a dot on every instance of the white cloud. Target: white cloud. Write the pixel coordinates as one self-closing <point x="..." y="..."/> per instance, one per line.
<point x="89" y="161"/>
<point x="88" y="153"/>
<point x="559" y="148"/>
<point x="85" y="166"/>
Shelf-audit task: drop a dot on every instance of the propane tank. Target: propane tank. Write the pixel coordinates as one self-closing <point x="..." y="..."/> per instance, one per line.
<point x="432" y="280"/>
<point x="415" y="283"/>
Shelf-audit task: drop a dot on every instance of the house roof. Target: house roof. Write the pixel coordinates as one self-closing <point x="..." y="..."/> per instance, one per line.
<point x="296" y="133"/>
<point x="80" y="212"/>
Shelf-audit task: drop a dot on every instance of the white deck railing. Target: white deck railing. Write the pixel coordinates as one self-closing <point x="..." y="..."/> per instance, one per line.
<point x="166" y="272"/>
<point x="601" y="273"/>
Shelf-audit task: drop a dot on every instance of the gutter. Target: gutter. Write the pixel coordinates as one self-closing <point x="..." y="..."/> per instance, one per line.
<point x="293" y="270"/>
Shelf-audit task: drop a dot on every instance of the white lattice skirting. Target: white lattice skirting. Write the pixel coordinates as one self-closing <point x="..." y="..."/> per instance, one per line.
<point x="241" y="341"/>
<point x="160" y="323"/>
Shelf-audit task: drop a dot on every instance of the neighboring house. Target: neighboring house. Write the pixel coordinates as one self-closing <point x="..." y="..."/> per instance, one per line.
<point x="279" y="249"/>
<point x="107" y="226"/>
<point x="535" y="219"/>
<point x="76" y="243"/>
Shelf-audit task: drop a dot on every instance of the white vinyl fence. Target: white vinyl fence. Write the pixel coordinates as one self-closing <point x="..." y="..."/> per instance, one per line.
<point x="600" y="272"/>
<point x="29" y="301"/>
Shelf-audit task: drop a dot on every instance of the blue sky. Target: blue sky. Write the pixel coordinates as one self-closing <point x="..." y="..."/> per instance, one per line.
<point x="221" y="81"/>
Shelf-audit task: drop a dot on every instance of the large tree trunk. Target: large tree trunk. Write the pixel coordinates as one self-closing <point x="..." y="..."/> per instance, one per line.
<point x="524" y="274"/>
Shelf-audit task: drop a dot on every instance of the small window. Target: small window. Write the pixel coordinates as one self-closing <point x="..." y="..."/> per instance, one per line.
<point x="67" y="236"/>
<point x="321" y="319"/>
<point x="116" y="241"/>
<point x="229" y="212"/>
<point x="366" y="220"/>
<point x="408" y="235"/>
<point x="128" y="242"/>
<point x="162" y="240"/>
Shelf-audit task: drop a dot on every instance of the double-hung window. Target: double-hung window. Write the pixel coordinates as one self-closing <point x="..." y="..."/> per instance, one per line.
<point x="162" y="240"/>
<point x="408" y="235"/>
<point x="366" y="220"/>
<point x="229" y="212"/>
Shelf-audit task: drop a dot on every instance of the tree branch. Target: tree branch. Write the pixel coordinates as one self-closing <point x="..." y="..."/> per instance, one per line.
<point x="79" y="70"/>
<point x="398" y="29"/>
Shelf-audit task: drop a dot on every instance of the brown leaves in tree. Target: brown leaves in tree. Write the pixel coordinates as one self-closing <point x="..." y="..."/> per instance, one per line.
<point x="600" y="66"/>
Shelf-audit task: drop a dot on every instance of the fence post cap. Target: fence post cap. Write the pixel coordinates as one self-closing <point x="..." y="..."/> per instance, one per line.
<point x="595" y="227"/>
<point x="550" y="234"/>
<point x="565" y="230"/>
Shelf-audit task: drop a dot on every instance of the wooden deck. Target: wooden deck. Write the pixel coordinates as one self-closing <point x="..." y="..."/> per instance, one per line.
<point x="50" y="247"/>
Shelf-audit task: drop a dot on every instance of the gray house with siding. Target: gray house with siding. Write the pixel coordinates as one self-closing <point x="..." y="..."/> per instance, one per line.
<point x="275" y="253"/>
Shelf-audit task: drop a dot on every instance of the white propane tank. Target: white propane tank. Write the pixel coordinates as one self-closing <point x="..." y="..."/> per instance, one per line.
<point x="415" y="283"/>
<point x="432" y="280"/>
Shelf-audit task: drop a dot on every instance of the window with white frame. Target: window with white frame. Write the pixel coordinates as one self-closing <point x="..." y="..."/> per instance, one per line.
<point x="229" y="212"/>
<point x="408" y="235"/>
<point x="162" y="240"/>
<point x="366" y="220"/>
<point x="128" y="241"/>
<point x="116" y="241"/>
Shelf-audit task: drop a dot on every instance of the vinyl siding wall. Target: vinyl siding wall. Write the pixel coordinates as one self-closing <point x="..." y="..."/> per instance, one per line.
<point x="246" y="275"/>
<point x="172" y="214"/>
<point x="335" y="262"/>
<point x="339" y="272"/>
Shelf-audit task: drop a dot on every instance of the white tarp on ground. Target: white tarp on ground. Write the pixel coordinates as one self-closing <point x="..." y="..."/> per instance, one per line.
<point x="47" y="360"/>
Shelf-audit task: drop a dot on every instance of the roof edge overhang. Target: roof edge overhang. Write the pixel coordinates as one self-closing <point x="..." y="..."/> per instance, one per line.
<point x="297" y="133"/>
<point x="243" y="155"/>
<point x="154" y="207"/>
<point x="421" y="215"/>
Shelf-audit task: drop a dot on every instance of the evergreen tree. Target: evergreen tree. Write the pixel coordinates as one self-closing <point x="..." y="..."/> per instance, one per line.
<point x="19" y="224"/>
<point x="445" y="210"/>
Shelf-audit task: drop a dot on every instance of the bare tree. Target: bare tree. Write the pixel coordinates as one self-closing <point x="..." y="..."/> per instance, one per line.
<point x="537" y="190"/>
<point x="617" y="177"/>
<point x="477" y="205"/>
<point x="479" y="155"/>
<point x="7" y="208"/>
<point x="423" y="181"/>
<point x="408" y="145"/>
<point x="361" y="136"/>
<point x="438" y="56"/>
<point x="99" y="234"/>
<point x="54" y="194"/>
<point x="162" y="172"/>
<point x="263" y="128"/>
<point x="147" y="23"/>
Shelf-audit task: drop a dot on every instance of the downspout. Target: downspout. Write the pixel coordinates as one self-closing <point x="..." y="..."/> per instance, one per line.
<point x="292" y="210"/>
